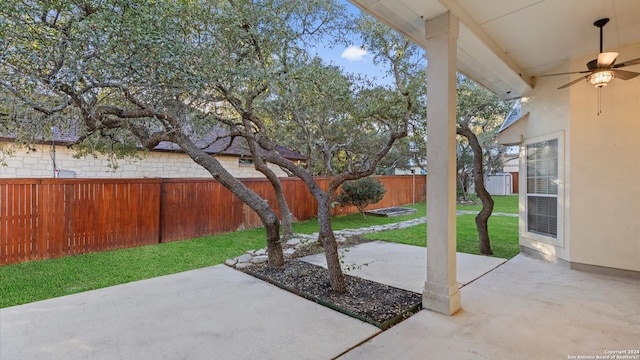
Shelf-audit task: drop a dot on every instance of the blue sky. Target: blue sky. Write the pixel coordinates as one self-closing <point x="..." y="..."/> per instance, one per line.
<point x="353" y="59"/>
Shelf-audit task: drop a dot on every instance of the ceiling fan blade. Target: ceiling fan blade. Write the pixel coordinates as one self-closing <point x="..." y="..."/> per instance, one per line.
<point x="607" y="59"/>
<point x="625" y="75"/>
<point x="573" y="82"/>
<point x="566" y="73"/>
<point x="628" y="63"/>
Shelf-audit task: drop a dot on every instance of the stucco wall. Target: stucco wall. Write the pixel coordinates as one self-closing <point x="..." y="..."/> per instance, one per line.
<point x="601" y="198"/>
<point x="38" y="164"/>
<point x="549" y="117"/>
<point x="605" y="202"/>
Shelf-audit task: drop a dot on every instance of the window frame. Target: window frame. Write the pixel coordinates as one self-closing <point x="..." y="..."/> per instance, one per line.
<point x="559" y="239"/>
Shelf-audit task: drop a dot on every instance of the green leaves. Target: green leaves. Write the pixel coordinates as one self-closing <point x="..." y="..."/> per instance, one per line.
<point x="361" y="193"/>
<point x="202" y="62"/>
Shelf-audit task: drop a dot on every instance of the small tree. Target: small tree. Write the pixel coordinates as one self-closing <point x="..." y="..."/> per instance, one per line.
<point x="361" y="193"/>
<point x="479" y="113"/>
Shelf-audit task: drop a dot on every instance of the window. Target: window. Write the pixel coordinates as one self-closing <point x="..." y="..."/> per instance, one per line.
<point x="245" y="162"/>
<point x="542" y="188"/>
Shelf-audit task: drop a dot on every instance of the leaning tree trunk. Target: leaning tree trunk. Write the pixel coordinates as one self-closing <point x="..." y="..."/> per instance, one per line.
<point x="328" y="241"/>
<point x="482" y="219"/>
<point x="285" y="213"/>
<point x="268" y="217"/>
<point x="260" y="165"/>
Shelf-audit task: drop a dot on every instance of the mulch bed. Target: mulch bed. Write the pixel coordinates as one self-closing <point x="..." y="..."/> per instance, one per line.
<point x="375" y="303"/>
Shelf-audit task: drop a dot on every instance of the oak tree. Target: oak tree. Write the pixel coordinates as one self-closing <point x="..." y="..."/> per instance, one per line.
<point x="480" y="114"/>
<point x="123" y="74"/>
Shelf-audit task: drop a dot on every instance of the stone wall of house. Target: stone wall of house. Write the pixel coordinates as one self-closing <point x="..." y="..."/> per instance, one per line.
<point x="39" y="164"/>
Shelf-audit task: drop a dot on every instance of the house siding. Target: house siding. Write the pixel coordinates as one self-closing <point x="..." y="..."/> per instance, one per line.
<point x="39" y="164"/>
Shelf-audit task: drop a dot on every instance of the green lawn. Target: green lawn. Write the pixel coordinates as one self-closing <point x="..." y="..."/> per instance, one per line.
<point x="503" y="231"/>
<point x="39" y="280"/>
<point x="503" y="204"/>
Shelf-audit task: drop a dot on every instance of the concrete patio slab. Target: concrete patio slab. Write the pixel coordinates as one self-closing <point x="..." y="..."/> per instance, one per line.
<point x="404" y="266"/>
<point x="211" y="313"/>
<point x="525" y="309"/>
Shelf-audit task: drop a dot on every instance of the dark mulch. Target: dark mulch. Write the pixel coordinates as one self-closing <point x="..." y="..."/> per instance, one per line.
<point x="376" y="303"/>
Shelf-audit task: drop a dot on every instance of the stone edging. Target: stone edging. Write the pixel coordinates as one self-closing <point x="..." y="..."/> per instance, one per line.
<point x="299" y="240"/>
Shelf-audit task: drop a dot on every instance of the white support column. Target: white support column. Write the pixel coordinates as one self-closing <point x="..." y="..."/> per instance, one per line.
<point x="441" y="293"/>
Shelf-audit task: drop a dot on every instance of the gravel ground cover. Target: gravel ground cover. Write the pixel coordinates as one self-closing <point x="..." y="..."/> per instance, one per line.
<point x="376" y="303"/>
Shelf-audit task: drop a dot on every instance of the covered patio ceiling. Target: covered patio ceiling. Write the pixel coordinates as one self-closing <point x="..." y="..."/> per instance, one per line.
<point x="504" y="44"/>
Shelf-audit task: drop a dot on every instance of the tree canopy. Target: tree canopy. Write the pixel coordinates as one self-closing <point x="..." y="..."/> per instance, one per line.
<point x="122" y="74"/>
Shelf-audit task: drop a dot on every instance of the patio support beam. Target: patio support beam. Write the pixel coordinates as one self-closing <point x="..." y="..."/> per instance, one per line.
<point x="441" y="293"/>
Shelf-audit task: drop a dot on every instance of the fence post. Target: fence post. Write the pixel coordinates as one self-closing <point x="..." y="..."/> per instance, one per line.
<point x="42" y="251"/>
<point x="161" y="209"/>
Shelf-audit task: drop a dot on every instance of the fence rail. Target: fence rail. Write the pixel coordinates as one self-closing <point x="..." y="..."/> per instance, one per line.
<point x="49" y="218"/>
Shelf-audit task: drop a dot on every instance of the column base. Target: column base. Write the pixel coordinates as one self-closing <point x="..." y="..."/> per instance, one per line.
<point x="441" y="299"/>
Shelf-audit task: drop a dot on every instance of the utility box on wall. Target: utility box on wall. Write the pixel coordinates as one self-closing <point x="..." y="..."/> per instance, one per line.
<point x="499" y="184"/>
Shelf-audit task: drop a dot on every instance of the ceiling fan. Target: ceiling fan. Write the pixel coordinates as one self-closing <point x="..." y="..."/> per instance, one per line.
<point x="603" y="69"/>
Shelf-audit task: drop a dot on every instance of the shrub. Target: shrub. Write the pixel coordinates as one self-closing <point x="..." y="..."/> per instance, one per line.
<point x="361" y="193"/>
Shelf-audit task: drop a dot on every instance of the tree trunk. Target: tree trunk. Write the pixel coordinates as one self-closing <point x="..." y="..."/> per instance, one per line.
<point x="328" y="241"/>
<point x="482" y="219"/>
<point x="274" y="246"/>
<point x="361" y="210"/>
<point x="267" y="215"/>
<point x="260" y="165"/>
<point x="285" y="213"/>
<point x="326" y="237"/>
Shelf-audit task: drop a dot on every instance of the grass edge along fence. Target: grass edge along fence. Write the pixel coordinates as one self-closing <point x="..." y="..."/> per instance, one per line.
<point x="50" y="218"/>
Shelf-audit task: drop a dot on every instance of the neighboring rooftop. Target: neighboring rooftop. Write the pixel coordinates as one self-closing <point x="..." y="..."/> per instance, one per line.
<point x="216" y="143"/>
<point x="514" y="115"/>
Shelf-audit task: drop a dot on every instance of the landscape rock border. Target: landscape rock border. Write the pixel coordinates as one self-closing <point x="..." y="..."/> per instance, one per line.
<point x="298" y="242"/>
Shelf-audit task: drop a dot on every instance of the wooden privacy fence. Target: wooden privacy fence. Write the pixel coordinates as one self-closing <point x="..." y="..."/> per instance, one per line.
<point x="49" y="218"/>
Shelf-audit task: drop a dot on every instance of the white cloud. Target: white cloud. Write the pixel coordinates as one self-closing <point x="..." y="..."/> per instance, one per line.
<point x="353" y="53"/>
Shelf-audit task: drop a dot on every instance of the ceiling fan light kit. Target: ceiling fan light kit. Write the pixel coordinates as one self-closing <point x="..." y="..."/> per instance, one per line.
<point x="601" y="78"/>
